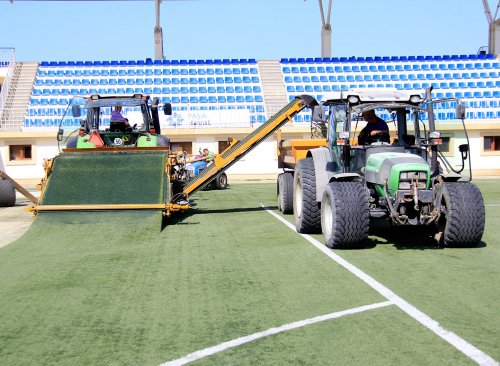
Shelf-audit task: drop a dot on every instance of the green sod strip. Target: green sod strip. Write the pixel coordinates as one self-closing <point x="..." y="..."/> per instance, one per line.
<point x="109" y="288"/>
<point x="107" y="177"/>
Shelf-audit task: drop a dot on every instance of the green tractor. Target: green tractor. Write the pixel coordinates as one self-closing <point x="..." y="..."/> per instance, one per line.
<point x="406" y="180"/>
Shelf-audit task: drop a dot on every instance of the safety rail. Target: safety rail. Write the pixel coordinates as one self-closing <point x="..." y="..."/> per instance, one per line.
<point x="8" y="60"/>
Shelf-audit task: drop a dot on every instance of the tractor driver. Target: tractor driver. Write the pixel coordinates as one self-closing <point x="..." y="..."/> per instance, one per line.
<point x="117" y="123"/>
<point x="375" y="130"/>
<point x="116" y="115"/>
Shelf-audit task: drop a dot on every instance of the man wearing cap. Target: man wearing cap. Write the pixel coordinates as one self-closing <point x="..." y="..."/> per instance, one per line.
<point x="375" y="130"/>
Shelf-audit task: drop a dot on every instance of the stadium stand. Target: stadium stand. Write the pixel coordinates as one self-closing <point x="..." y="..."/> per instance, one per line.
<point x="237" y="83"/>
<point x="472" y="78"/>
<point x="187" y="84"/>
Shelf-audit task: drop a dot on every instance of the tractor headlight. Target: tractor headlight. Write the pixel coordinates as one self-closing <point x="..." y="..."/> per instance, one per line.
<point x="434" y="134"/>
<point x="415" y="99"/>
<point x="353" y="99"/>
<point x="343" y="135"/>
<point x="404" y="185"/>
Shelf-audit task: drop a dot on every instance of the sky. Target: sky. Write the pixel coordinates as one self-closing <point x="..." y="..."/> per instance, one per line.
<point x="260" y="29"/>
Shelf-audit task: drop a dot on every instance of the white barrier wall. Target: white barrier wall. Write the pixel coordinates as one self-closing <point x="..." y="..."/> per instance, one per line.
<point x="259" y="163"/>
<point x="42" y="148"/>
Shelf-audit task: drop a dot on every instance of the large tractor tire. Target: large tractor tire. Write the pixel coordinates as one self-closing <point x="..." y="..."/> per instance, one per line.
<point x="463" y="224"/>
<point x="7" y="194"/>
<point x="345" y="215"/>
<point x="285" y="192"/>
<point x="306" y="209"/>
<point x="221" y="181"/>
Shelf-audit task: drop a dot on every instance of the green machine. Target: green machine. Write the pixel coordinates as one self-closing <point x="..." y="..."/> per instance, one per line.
<point x="401" y="175"/>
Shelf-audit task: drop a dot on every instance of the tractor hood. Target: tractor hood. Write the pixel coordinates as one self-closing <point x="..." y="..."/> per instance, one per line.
<point x="387" y="167"/>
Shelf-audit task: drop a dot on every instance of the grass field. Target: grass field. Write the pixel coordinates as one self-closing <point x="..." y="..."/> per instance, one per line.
<point x="115" y="289"/>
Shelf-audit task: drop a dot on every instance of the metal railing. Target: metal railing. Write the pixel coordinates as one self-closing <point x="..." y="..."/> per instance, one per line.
<point x="10" y="118"/>
<point x="7" y="60"/>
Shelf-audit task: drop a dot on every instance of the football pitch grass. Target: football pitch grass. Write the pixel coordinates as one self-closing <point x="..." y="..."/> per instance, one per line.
<point x="114" y="289"/>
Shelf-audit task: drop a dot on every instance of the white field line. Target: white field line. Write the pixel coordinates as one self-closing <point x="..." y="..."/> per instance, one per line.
<point x="271" y="331"/>
<point x="459" y="343"/>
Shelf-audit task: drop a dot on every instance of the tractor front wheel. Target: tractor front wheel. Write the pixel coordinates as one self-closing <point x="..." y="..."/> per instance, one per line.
<point x="464" y="215"/>
<point x="345" y="216"/>
<point x="306" y="209"/>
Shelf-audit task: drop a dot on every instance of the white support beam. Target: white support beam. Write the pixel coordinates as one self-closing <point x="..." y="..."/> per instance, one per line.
<point x="326" y="30"/>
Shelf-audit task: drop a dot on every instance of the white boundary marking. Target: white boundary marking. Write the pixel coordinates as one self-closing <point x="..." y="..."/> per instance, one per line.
<point x="460" y="344"/>
<point x="271" y="331"/>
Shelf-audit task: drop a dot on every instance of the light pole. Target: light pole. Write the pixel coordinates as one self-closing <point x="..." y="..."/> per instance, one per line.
<point x="493" y="28"/>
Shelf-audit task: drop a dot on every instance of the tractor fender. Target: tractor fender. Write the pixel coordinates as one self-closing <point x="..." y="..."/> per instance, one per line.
<point x="323" y="169"/>
<point x="450" y="177"/>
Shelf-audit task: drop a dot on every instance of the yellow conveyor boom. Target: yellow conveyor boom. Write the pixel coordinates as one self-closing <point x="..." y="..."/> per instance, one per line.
<point x="237" y="150"/>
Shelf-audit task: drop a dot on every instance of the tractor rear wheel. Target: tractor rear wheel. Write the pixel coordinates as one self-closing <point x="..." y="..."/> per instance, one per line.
<point x="463" y="224"/>
<point x="7" y="194"/>
<point x="285" y="192"/>
<point x="306" y="209"/>
<point x="221" y="181"/>
<point x="345" y="215"/>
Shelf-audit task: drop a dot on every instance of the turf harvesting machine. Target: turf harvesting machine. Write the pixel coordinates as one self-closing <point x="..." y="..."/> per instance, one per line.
<point x="109" y="165"/>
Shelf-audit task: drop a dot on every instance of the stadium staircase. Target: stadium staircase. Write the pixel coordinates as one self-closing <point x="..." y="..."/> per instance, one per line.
<point x="272" y="86"/>
<point x="19" y="93"/>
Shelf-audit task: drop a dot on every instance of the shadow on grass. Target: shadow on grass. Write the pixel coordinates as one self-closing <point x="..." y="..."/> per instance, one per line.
<point x="179" y="217"/>
<point x="407" y="237"/>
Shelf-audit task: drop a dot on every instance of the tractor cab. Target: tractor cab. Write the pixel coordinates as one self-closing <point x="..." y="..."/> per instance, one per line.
<point x="111" y="121"/>
<point x="410" y="120"/>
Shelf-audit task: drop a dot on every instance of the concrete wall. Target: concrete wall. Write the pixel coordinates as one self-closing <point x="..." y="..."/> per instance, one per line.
<point x="259" y="163"/>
